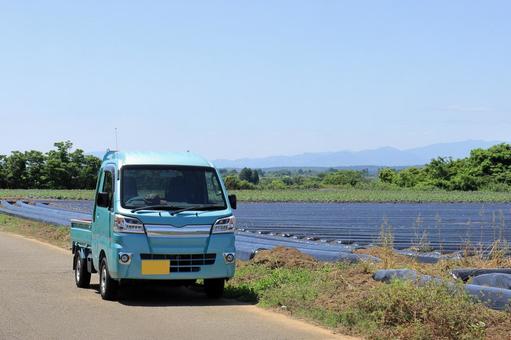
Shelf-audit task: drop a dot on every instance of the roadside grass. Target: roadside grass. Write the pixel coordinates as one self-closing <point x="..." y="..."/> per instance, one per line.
<point x="328" y="195"/>
<point x="343" y="296"/>
<point x="58" y="236"/>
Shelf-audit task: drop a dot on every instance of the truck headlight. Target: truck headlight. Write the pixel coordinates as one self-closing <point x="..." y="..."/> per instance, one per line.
<point x="124" y="224"/>
<point x="225" y="225"/>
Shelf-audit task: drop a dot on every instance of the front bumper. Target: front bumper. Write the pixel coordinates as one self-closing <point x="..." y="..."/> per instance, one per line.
<point x="184" y="262"/>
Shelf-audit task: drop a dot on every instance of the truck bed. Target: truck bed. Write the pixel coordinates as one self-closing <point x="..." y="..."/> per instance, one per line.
<point x="81" y="232"/>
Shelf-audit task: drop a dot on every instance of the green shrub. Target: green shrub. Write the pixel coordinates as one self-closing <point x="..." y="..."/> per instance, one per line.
<point x="345" y="177"/>
<point x="233" y="183"/>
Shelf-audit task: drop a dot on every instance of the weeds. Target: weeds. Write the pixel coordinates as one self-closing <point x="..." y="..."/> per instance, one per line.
<point x="403" y="310"/>
<point x="41" y="231"/>
<point x="421" y="242"/>
<point x="386" y="237"/>
<point x="345" y="297"/>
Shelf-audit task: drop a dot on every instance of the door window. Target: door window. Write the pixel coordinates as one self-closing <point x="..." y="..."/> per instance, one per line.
<point x="108" y="185"/>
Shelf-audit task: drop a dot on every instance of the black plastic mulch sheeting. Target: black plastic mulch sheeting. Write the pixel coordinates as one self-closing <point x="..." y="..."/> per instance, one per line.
<point x="247" y="244"/>
<point x="497" y="280"/>
<point x="444" y="227"/>
<point x="465" y="274"/>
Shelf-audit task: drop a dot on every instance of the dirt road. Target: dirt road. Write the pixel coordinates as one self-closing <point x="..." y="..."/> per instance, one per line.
<point x="39" y="300"/>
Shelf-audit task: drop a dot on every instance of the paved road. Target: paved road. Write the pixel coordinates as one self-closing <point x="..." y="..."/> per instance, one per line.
<point x="39" y="300"/>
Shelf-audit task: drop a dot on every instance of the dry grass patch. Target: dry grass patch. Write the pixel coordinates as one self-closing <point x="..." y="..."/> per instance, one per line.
<point x="471" y="259"/>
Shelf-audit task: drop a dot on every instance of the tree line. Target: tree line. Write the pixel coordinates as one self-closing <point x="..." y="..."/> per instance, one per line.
<point x="247" y="179"/>
<point x="59" y="168"/>
<point x="485" y="169"/>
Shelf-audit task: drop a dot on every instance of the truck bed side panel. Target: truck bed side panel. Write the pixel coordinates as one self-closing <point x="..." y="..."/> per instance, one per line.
<point x="81" y="232"/>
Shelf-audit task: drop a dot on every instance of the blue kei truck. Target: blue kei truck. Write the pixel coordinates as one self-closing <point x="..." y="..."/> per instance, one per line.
<point x="157" y="216"/>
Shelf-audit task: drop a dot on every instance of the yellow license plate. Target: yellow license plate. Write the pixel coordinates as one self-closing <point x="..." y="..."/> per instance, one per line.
<point x="155" y="267"/>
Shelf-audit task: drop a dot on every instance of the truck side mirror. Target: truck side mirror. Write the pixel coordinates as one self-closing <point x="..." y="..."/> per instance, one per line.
<point x="232" y="201"/>
<point x="103" y="199"/>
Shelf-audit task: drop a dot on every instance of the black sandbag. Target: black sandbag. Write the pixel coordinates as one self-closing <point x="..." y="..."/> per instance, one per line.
<point x="387" y="275"/>
<point x="425" y="279"/>
<point x="494" y="298"/>
<point x="496" y="280"/>
<point x="466" y="273"/>
<point x="421" y="257"/>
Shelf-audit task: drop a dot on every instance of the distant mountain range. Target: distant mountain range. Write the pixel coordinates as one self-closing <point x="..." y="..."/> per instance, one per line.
<point x="385" y="156"/>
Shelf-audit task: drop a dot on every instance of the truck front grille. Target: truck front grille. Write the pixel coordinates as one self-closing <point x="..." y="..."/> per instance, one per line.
<point x="183" y="263"/>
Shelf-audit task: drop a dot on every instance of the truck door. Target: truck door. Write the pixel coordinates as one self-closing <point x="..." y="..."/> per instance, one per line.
<point x="101" y="227"/>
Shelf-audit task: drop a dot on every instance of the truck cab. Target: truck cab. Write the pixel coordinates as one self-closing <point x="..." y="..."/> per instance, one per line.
<point x="157" y="216"/>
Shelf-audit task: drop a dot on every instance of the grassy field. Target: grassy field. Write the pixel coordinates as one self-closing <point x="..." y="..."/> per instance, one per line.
<point x="47" y="193"/>
<point x="305" y="195"/>
<point x="344" y="297"/>
<point x="369" y="195"/>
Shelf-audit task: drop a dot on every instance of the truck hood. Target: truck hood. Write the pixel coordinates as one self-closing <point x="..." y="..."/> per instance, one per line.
<point x="185" y="218"/>
<point x="187" y="232"/>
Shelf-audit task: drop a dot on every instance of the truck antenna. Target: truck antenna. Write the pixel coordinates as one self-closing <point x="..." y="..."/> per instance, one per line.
<point x="116" y="145"/>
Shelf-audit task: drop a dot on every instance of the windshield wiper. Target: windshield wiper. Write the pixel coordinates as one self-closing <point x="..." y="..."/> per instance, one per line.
<point x="199" y="207"/>
<point x="156" y="207"/>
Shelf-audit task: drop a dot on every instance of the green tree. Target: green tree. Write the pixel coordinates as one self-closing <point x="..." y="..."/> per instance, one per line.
<point x="58" y="169"/>
<point x="245" y="174"/>
<point x="16" y="170"/>
<point x="410" y="177"/>
<point x="249" y="175"/>
<point x="387" y="175"/>
<point x="3" y="172"/>
<point x="254" y="179"/>
<point x="89" y="172"/>
<point x="35" y="163"/>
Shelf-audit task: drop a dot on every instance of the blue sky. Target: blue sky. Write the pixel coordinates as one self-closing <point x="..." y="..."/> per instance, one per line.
<point x="255" y="78"/>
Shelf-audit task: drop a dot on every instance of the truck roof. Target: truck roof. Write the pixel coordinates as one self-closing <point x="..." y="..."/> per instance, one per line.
<point x="155" y="158"/>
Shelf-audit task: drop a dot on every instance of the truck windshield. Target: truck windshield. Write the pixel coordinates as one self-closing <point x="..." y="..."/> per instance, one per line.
<point x="179" y="187"/>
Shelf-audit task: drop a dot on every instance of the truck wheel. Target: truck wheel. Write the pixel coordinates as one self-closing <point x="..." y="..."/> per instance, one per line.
<point x="214" y="288"/>
<point x="82" y="276"/>
<point x="108" y="287"/>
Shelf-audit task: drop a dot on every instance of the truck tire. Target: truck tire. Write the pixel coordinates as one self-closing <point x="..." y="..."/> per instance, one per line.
<point x="82" y="276"/>
<point x="108" y="287"/>
<point x="214" y="288"/>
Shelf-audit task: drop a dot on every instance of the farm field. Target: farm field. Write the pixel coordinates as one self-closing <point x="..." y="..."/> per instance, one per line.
<point x="304" y="195"/>
<point x="369" y="195"/>
<point x="47" y="193"/>
<point x="445" y="227"/>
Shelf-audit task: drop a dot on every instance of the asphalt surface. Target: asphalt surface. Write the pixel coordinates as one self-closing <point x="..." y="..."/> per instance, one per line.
<point x="39" y="300"/>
